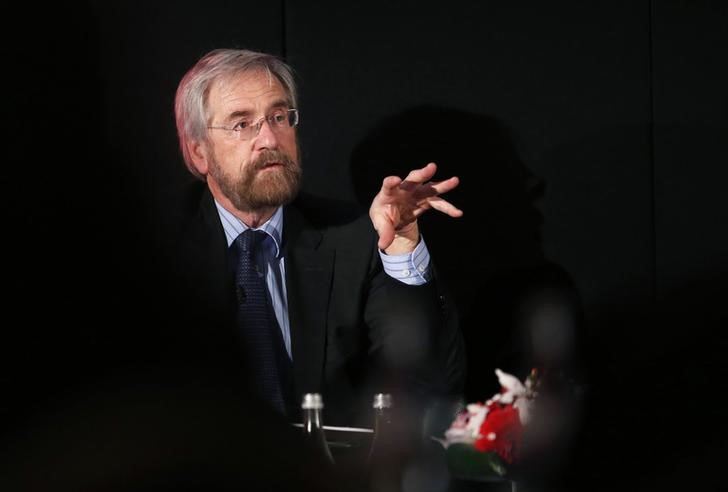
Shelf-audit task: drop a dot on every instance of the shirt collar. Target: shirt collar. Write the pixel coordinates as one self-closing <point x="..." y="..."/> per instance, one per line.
<point x="234" y="226"/>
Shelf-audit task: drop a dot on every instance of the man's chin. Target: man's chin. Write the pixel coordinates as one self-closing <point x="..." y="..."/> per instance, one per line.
<point x="273" y="194"/>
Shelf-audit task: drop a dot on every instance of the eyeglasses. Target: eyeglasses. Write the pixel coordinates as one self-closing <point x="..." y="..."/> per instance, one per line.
<point x="278" y="120"/>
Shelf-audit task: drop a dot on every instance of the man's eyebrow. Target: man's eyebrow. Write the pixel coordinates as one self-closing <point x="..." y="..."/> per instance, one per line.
<point x="245" y="113"/>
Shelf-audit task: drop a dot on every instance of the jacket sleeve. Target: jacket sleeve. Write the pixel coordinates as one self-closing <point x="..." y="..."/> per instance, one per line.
<point x="415" y="338"/>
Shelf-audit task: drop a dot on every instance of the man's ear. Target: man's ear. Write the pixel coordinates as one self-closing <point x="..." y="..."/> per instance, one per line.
<point x="198" y="153"/>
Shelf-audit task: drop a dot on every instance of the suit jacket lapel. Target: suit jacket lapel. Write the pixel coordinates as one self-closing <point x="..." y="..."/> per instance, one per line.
<point x="308" y="283"/>
<point x="214" y="254"/>
<point x="209" y="255"/>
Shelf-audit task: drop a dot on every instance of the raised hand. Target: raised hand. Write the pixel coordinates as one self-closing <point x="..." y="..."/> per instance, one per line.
<point x="395" y="209"/>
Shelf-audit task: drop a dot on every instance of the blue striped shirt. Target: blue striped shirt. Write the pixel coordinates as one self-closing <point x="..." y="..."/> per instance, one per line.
<point x="411" y="268"/>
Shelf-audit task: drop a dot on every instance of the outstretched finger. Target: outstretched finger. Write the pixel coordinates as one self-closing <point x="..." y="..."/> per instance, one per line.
<point x="445" y="207"/>
<point x="446" y="185"/>
<point x="390" y="183"/>
<point x="423" y="174"/>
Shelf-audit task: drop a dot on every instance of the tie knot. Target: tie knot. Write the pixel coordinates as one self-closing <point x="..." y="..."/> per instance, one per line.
<point x="249" y="240"/>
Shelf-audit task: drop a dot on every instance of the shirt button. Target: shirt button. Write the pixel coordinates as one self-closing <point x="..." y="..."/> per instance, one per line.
<point x="406" y="272"/>
<point x="421" y="268"/>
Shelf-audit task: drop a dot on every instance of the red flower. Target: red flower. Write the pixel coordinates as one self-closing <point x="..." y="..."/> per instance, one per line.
<point x="501" y="432"/>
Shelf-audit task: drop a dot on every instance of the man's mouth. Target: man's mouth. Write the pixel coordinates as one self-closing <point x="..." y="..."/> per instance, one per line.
<point x="269" y="165"/>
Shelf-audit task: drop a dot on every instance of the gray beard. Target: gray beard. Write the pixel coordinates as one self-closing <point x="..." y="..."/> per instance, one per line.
<point x="253" y="191"/>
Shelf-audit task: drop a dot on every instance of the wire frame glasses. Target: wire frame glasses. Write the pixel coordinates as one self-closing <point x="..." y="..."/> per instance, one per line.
<point x="278" y="120"/>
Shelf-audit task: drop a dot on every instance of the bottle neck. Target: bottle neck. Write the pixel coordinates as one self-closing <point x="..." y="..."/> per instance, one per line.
<point x="311" y="419"/>
<point x="314" y="432"/>
<point x="382" y="417"/>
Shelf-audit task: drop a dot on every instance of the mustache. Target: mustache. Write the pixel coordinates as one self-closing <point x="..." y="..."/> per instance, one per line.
<point x="273" y="157"/>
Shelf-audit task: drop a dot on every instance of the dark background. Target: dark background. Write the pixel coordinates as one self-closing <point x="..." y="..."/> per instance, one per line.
<point x="591" y="142"/>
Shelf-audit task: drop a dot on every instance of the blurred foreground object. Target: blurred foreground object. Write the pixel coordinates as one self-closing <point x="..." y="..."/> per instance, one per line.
<point x="171" y="431"/>
<point x="516" y="434"/>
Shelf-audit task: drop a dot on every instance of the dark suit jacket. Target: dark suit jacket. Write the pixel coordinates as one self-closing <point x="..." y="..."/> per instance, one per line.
<point x="355" y="331"/>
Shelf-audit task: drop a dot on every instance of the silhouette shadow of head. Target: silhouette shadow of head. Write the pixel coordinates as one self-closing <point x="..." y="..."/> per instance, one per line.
<point x="516" y="308"/>
<point x="491" y="259"/>
<point x="497" y="192"/>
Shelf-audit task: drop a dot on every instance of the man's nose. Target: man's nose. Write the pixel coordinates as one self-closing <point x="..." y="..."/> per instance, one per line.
<point x="267" y="138"/>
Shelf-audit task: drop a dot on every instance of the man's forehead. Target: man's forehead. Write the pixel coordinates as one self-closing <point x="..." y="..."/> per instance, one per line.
<point x="247" y="86"/>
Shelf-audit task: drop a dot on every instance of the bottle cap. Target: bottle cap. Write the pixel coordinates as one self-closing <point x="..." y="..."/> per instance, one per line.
<point x="382" y="400"/>
<point x="312" y="401"/>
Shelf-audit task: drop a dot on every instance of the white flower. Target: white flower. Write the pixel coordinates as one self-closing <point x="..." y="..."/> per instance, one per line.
<point x="454" y="434"/>
<point x="512" y="386"/>
<point x="477" y="413"/>
<point x="521" y="395"/>
<point x="466" y="427"/>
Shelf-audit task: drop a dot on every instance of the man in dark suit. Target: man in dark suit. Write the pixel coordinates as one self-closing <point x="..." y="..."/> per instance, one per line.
<point x="353" y="301"/>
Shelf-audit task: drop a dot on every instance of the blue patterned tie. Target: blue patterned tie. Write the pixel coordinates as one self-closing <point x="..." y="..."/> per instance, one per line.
<point x="257" y="323"/>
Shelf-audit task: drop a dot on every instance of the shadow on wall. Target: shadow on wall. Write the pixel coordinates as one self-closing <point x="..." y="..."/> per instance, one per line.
<point x="516" y="308"/>
<point x="491" y="259"/>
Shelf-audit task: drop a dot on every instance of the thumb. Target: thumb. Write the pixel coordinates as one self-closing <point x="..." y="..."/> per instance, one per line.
<point x="385" y="230"/>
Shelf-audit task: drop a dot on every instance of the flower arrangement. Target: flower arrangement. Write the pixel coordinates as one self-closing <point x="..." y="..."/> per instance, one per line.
<point x="485" y="439"/>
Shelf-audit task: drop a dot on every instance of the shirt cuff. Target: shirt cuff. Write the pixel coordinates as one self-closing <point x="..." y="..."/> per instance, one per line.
<point x="410" y="268"/>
